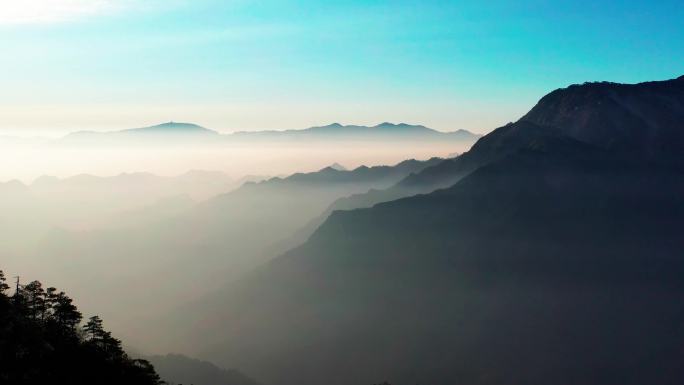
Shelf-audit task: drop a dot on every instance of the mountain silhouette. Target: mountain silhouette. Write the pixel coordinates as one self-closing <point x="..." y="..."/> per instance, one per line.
<point x="333" y="132"/>
<point x="382" y="131"/>
<point x="555" y="258"/>
<point x="337" y="128"/>
<point x="638" y="120"/>
<point x="338" y="167"/>
<point x="170" y="128"/>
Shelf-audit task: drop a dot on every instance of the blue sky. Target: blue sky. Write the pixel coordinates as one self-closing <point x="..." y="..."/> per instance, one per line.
<point x="103" y="64"/>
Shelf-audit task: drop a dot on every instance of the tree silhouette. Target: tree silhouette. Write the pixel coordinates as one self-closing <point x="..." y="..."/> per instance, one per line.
<point x="65" y="312"/>
<point x="3" y="283"/>
<point x="35" y="300"/>
<point x="41" y="342"/>
<point x="93" y="328"/>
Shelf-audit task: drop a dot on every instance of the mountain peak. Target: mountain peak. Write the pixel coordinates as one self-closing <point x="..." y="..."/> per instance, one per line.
<point x="397" y="125"/>
<point x="338" y="167"/>
<point x="172" y="127"/>
<point x="640" y="119"/>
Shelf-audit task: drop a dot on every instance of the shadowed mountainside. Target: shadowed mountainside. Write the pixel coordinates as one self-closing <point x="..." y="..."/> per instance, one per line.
<point x="639" y="120"/>
<point x="558" y="261"/>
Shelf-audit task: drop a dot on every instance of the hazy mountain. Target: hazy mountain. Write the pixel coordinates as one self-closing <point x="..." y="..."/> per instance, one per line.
<point x="12" y="188"/>
<point x="179" y="369"/>
<point x="87" y="201"/>
<point x="252" y="222"/>
<point x="39" y="218"/>
<point x="382" y="131"/>
<point x="556" y="261"/>
<point x="194" y="251"/>
<point x="164" y="129"/>
<point x="333" y="132"/>
<point x="501" y="142"/>
<point x="338" y="167"/>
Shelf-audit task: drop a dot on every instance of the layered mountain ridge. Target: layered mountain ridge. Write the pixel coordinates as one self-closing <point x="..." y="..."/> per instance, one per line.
<point x="334" y="131"/>
<point x="641" y="120"/>
<point x="554" y="258"/>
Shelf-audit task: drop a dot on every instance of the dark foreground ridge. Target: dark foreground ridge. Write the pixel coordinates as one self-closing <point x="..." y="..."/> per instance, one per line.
<point x="42" y="342"/>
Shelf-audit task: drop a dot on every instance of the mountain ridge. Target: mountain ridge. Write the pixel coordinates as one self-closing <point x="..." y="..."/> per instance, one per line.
<point x="335" y="130"/>
<point x="514" y="274"/>
<point x="533" y="124"/>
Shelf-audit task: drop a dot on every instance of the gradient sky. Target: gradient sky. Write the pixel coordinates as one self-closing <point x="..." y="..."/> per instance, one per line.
<point x="241" y="64"/>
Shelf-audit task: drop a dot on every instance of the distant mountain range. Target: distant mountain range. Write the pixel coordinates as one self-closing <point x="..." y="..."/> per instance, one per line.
<point x="550" y="253"/>
<point x="85" y="202"/>
<point x="170" y="128"/>
<point x="173" y="131"/>
<point x="381" y="131"/>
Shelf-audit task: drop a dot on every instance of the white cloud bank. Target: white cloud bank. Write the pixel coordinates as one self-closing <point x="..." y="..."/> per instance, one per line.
<point x="53" y="11"/>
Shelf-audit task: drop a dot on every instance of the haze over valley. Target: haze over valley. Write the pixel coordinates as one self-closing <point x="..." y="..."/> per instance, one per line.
<point x="341" y="193"/>
<point x="171" y="149"/>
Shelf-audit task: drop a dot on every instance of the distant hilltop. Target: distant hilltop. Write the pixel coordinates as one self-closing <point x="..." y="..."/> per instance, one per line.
<point x="173" y="131"/>
<point x="159" y="129"/>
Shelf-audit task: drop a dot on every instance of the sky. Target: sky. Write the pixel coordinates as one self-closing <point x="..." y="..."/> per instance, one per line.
<point x="273" y="64"/>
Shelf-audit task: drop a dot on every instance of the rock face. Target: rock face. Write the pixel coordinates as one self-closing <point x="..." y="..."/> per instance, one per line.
<point x="556" y="259"/>
<point x="643" y="120"/>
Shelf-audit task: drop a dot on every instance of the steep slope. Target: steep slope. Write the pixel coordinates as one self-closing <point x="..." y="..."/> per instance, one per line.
<point x="544" y="266"/>
<point x="499" y="143"/>
<point x="253" y="220"/>
<point x="642" y="120"/>
<point x="556" y="261"/>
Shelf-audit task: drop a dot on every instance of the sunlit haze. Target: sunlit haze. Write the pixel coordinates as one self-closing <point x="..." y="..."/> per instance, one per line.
<point x="352" y="192"/>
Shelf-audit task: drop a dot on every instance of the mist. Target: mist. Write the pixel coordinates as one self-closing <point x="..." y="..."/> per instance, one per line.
<point x="33" y="158"/>
<point x="153" y="221"/>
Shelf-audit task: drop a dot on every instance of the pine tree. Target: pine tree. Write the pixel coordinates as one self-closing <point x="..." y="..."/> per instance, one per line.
<point x="3" y="283"/>
<point x="41" y="343"/>
<point x="93" y="329"/>
<point x="65" y="312"/>
<point x="35" y="300"/>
